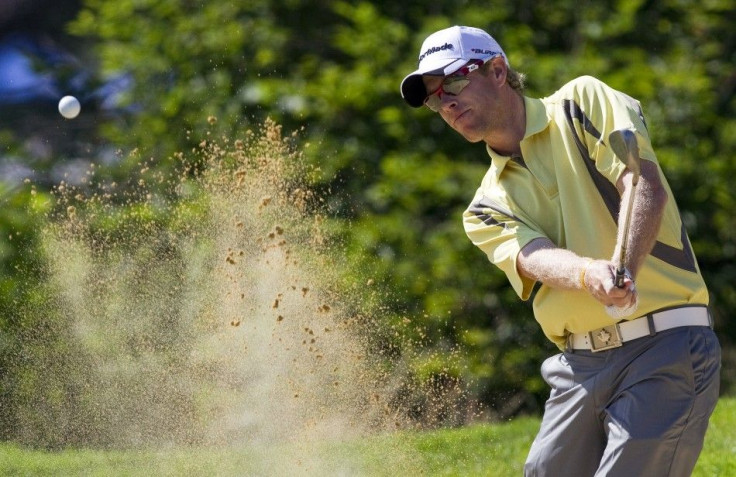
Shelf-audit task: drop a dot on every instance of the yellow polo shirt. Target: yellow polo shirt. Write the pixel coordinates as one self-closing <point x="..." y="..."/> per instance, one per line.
<point x="563" y="188"/>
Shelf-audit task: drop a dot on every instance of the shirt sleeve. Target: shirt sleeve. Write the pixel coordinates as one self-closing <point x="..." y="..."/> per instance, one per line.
<point x="493" y="228"/>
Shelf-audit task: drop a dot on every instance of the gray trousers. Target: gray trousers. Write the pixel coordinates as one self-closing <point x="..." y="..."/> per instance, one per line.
<point x="638" y="410"/>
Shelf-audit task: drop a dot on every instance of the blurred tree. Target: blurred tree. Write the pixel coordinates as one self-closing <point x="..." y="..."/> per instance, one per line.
<point x="399" y="179"/>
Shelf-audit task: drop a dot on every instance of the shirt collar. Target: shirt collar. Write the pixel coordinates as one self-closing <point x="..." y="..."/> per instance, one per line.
<point x="537" y="121"/>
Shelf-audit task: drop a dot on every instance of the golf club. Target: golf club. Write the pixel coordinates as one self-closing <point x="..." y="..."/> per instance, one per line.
<point x="624" y="145"/>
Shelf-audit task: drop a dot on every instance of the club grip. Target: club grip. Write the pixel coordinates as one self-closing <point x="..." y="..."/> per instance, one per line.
<point x="620" y="275"/>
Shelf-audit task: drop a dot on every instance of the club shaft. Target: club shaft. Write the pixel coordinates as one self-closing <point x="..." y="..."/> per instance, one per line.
<point x="621" y="270"/>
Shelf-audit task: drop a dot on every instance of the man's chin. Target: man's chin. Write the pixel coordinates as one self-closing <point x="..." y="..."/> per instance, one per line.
<point x="471" y="137"/>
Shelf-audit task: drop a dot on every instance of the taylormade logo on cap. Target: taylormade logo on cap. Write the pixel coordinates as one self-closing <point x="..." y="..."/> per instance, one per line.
<point x="435" y="49"/>
<point x="443" y="53"/>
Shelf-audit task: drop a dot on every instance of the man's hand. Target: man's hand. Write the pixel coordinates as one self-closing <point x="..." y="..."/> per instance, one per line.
<point x="599" y="281"/>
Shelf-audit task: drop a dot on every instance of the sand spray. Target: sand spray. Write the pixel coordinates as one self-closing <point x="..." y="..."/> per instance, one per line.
<point x="204" y="305"/>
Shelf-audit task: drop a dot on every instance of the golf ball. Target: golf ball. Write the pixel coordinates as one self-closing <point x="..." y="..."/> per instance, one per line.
<point x="69" y="107"/>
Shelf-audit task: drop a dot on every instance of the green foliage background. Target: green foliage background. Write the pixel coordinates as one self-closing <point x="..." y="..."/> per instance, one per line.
<point x="397" y="179"/>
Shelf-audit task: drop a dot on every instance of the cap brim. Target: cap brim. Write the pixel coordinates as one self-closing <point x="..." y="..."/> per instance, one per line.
<point x="413" y="90"/>
<point x="412" y="87"/>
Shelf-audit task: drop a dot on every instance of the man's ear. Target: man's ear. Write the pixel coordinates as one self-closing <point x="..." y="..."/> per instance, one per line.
<point x="499" y="70"/>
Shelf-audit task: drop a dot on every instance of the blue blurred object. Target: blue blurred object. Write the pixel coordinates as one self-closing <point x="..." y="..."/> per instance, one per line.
<point x="34" y="70"/>
<point x="27" y="70"/>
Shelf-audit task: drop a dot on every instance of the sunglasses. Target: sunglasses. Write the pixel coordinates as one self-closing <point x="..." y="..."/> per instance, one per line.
<point x="452" y="84"/>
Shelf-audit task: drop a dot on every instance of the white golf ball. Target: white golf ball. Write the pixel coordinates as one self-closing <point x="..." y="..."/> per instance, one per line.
<point x="69" y="107"/>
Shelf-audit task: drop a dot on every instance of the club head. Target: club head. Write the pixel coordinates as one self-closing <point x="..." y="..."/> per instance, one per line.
<point x="624" y="145"/>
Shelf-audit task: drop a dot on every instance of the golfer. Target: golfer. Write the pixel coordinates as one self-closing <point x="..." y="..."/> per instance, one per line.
<point x="637" y="377"/>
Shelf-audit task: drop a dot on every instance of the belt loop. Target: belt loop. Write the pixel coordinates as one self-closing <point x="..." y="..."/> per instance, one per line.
<point x="568" y="344"/>
<point x="650" y="322"/>
<point x="711" y="321"/>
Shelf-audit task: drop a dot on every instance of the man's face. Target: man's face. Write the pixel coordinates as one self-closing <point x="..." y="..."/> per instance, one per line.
<point x="476" y="110"/>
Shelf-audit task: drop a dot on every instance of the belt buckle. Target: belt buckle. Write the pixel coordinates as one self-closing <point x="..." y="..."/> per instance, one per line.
<point x="605" y="338"/>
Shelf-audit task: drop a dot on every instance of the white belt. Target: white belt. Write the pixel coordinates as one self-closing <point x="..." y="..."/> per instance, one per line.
<point x="615" y="335"/>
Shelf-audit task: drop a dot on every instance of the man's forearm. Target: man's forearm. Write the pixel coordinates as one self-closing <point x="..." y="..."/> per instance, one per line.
<point x="646" y="216"/>
<point x="542" y="261"/>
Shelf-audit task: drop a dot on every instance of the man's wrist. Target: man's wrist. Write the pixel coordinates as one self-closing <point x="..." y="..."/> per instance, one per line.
<point x="583" y="271"/>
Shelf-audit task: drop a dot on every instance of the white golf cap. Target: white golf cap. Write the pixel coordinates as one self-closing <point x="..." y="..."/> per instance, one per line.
<point x="445" y="52"/>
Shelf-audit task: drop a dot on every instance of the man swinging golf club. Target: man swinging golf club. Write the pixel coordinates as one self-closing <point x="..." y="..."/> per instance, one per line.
<point x="575" y="204"/>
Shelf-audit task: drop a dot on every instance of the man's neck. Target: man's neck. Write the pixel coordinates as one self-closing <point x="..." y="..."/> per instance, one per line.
<point x="507" y="142"/>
